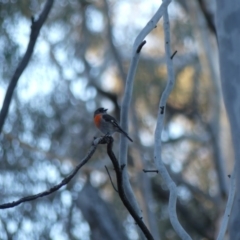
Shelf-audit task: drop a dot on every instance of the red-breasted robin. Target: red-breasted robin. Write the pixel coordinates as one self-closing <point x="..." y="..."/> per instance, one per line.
<point x="107" y="124"/>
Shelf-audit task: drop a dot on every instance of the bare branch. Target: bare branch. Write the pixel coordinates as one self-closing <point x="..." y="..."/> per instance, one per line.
<point x="35" y="29"/>
<point x="128" y="94"/>
<point x="65" y="181"/>
<point x="157" y="147"/>
<point x="119" y="174"/>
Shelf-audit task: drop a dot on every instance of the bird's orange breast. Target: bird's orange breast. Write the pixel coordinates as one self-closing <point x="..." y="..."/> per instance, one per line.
<point x="97" y="120"/>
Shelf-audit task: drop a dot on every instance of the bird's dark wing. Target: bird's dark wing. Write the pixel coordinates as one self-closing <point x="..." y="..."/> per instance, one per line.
<point x="109" y="118"/>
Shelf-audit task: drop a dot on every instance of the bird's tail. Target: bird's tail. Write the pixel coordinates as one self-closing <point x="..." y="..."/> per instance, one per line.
<point x="126" y="135"/>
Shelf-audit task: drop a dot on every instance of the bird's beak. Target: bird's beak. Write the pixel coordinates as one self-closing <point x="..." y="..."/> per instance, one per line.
<point x="105" y="110"/>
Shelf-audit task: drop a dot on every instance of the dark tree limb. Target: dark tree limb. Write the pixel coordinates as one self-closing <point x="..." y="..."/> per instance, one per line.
<point x="35" y="29"/>
<point x="121" y="191"/>
<point x="65" y="181"/>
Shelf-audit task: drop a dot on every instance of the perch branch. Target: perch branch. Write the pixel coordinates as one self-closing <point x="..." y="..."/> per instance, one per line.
<point x="65" y="181"/>
<point x="119" y="175"/>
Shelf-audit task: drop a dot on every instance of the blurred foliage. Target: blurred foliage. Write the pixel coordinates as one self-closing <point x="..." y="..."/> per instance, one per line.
<point x="49" y="128"/>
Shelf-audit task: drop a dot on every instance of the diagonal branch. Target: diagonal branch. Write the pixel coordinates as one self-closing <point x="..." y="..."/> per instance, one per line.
<point x="65" y="181"/>
<point x="35" y="29"/>
<point x="121" y="191"/>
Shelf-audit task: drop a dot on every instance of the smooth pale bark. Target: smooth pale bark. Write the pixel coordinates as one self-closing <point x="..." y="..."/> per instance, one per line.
<point x="157" y="145"/>
<point x="128" y="95"/>
<point x="228" y="32"/>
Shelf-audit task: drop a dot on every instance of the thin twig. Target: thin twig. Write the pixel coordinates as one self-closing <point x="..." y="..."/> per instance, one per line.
<point x="35" y="29"/>
<point x="65" y="181"/>
<point x="141" y="46"/>
<point x="111" y="179"/>
<point x="173" y="54"/>
<point x="119" y="175"/>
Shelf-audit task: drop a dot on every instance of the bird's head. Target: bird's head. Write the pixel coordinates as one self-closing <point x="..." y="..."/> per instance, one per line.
<point x="100" y="110"/>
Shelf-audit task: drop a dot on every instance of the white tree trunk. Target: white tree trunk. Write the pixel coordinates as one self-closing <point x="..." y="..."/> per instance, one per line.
<point x="228" y="31"/>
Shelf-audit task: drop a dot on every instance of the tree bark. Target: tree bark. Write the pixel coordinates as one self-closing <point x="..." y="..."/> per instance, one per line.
<point x="228" y="33"/>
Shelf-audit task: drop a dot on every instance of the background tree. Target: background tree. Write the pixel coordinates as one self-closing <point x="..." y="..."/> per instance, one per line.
<point x="228" y="20"/>
<point x="80" y="62"/>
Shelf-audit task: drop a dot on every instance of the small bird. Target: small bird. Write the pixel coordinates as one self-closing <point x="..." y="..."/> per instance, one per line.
<point x="107" y="124"/>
